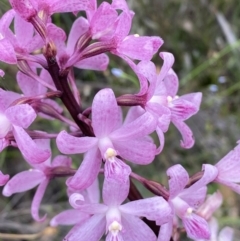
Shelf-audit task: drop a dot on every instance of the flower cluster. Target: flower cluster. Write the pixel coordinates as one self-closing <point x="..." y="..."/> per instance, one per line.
<point x="45" y="57"/>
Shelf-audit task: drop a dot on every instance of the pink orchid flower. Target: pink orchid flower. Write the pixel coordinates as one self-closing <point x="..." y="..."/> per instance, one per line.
<point x="184" y="203"/>
<point x="16" y="118"/>
<point x="111" y="141"/>
<point x="39" y="176"/>
<point x="163" y="102"/>
<point x="119" y="221"/>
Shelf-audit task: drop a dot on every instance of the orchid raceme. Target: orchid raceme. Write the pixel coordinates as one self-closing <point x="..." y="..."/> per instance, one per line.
<point x="112" y="140"/>
<point x="114" y="135"/>
<point x="119" y="221"/>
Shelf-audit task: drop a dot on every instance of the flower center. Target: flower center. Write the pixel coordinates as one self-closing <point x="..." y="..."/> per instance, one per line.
<point x="115" y="227"/>
<point x="170" y="99"/>
<point x="110" y="154"/>
<point x="113" y="218"/>
<point x="189" y="211"/>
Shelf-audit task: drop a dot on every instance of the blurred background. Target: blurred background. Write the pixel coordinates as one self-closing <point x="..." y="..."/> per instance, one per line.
<point x="204" y="38"/>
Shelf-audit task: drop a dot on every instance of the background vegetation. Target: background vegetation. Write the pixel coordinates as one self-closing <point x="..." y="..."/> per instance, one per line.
<point x="204" y="38"/>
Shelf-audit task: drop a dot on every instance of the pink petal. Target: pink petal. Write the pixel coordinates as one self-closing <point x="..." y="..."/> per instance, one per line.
<point x="133" y="114"/>
<point x="29" y="149"/>
<point x="142" y="79"/>
<point x="59" y="6"/>
<point x="161" y="140"/>
<point x="68" y="144"/>
<point x="229" y="166"/>
<point x="47" y="77"/>
<point x="111" y="194"/>
<point x="93" y="229"/>
<point x="77" y="202"/>
<point x="88" y="170"/>
<point x="7" y="52"/>
<point x="105" y="113"/>
<point x="214" y="229"/>
<point x="155" y="208"/>
<point x="34" y="44"/>
<point x="187" y="135"/>
<point x="6" y="20"/>
<point x="43" y="144"/>
<point x="171" y="83"/>
<point x="23" y="181"/>
<point x="140" y="48"/>
<point x="140" y="127"/>
<point x="182" y="109"/>
<point x="93" y="192"/>
<point x="98" y="62"/>
<point x="134" y="229"/>
<point x="62" y="161"/>
<point x="69" y="217"/>
<point x="226" y="234"/>
<point x="139" y="152"/>
<point x="56" y="33"/>
<point x="120" y="4"/>
<point x="178" y="179"/>
<point x="79" y="27"/>
<point x="21" y="115"/>
<point x="164" y="118"/>
<point x="3" y="179"/>
<point x="212" y="203"/>
<point x="6" y="126"/>
<point x="195" y="98"/>
<point x="165" y="233"/>
<point x="196" y="227"/>
<point x="23" y="30"/>
<point x="123" y="26"/>
<point x="234" y="186"/>
<point x="6" y="98"/>
<point x="37" y="201"/>
<point x="25" y="8"/>
<point x="148" y="69"/>
<point x="29" y="86"/>
<point x="116" y="170"/>
<point x="210" y="173"/>
<point x="194" y="200"/>
<point x="168" y="60"/>
<point x="102" y="22"/>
